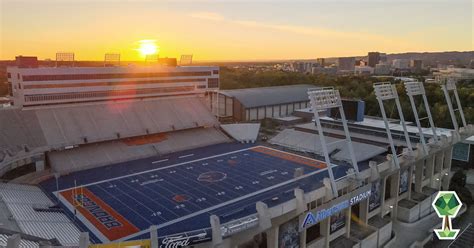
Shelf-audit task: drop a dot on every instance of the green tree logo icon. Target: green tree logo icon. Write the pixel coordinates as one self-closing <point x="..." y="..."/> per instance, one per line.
<point x="447" y="206"/>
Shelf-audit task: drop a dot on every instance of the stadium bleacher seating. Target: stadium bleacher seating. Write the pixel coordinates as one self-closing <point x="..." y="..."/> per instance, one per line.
<point x="23" y="243"/>
<point x="20" y="136"/>
<point x="90" y="156"/>
<point x="28" y="132"/>
<point x="188" y="139"/>
<point x="19" y="129"/>
<point x="22" y="200"/>
<point x="100" y="122"/>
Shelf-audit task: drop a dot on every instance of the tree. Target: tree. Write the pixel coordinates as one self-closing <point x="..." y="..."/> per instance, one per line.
<point x="458" y="184"/>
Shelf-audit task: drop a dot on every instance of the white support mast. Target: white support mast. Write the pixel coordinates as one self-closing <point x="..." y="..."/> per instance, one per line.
<point x="449" y="84"/>
<point x="387" y="91"/>
<point x="417" y="89"/>
<point x="324" y="99"/>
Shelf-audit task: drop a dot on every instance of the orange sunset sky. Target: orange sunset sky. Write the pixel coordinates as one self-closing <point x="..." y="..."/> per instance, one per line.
<point x="233" y="30"/>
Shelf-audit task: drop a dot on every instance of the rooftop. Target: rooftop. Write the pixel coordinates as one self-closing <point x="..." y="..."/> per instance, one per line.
<point x="267" y="96"/>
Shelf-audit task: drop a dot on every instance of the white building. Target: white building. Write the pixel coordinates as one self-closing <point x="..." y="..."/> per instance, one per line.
<point x="457" y="73"/>
<point x="402" y="64"/>
<point x="301" y="66"/>
<point x="60" y="85"/>
<point x="346" y="63"/>
<point x="363" y="70"/>
<point x="382" y="69"/>
<point x="330" y="70"/>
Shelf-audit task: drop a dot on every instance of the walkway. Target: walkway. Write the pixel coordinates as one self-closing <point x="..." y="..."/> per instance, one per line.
<point x="407" y="234"/>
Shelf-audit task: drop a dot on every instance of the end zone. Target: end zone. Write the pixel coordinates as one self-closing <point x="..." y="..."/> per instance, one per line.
<point x="103" y="217"/>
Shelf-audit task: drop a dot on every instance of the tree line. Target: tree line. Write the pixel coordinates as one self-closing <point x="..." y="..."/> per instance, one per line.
<point x="359" y="87"/>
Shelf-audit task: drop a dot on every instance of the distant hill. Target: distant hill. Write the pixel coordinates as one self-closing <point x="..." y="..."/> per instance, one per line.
<point x="435" y="58"/>
<point x="429" y="58"/>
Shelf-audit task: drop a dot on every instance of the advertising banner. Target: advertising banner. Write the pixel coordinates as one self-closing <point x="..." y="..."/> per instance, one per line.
<point x="403" y="182"/>
<point x="338" y="221"/>
<point x="375" y="196"/>
<point x="288" y="235"/>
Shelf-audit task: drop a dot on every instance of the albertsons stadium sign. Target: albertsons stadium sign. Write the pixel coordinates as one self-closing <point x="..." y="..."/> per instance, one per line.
<point x="335" y="206"/>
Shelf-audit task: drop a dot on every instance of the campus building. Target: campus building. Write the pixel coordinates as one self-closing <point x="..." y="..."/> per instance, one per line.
<point x="345" y="64"/>
<point x="63" y="85"/>
<point x="457" y="73"/>
<point x="373" y="58"/>
<point x="254" y="104"/>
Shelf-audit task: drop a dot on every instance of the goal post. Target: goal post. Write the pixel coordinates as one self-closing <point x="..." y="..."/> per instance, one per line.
<point x="77" y="195"/>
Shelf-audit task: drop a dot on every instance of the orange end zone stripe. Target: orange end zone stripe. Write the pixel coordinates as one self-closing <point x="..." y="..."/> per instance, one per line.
<point x="110" y="223"/>
<point x="290" y="157"/>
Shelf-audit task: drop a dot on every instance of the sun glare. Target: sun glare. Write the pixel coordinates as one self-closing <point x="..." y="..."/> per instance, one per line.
<point x="147" y="47"/>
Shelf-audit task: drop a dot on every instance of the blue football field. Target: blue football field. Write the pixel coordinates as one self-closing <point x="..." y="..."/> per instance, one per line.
<point x="180" y="195"/>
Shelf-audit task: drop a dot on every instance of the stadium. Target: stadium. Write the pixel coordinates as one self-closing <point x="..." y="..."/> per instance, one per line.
<point x="138" y="156"/>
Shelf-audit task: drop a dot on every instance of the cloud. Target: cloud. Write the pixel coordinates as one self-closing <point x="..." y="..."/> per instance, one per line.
<point x="304" y="30"/>
<point x="212" y="16"/>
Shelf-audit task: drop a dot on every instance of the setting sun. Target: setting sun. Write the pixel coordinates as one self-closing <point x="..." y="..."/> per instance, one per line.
<point x="148" y="47"/>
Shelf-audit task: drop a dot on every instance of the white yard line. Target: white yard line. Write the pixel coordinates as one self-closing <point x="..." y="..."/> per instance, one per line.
<point x="185" y="156"/>
<point x="159" y="161"/>
<point x="267" y="172"/>
<point x="156" y="169"/>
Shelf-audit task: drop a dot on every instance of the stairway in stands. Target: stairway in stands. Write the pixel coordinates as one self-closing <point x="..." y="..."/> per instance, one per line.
<point x="465" y="239"/>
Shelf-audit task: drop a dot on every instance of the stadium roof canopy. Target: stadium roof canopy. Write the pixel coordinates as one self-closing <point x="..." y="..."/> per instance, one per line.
<point x="267" y="96"/>
<point x="309" y="142"/>
<point x="243" y="132"/>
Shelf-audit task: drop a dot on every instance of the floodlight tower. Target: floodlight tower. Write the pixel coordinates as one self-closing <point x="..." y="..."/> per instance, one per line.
<point x="64" y="57"/>
<point x="323" y="99"/>
<point x="449" y="84"/>
<point x="186" y="60"/>
<point x="386" y="91"/>
<point x="112" y="59"/>
<point x="151" y="58"/>
<point x="417" y="89"/>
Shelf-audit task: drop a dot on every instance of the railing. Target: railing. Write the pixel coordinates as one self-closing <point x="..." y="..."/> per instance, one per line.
<point x="239" y="225"/>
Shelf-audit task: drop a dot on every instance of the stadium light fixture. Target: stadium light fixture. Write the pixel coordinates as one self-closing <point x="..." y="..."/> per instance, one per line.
<point x="324" y="98"/>
<point x="327" y="98"/>
<point x="414" y="88"/>
<point x="112" y="59"/>
<point x="63" y="58"/>
<point x="417" y="89"/>
<point x="386" y="91"/>
<point x="186" y="59"/>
